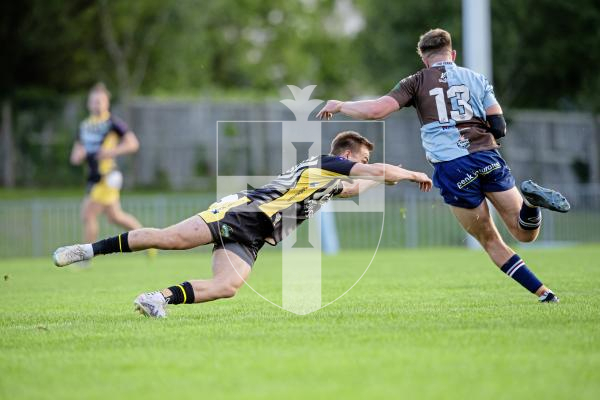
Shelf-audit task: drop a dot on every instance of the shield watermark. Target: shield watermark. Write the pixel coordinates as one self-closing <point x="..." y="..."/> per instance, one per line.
<point x="302" y="255"/>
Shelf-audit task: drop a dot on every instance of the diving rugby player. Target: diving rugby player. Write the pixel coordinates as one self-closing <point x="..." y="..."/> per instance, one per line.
<point x="240" y="224"/>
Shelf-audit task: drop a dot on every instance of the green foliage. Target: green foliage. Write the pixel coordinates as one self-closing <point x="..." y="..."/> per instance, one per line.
<point x="44" y="140"/>
<point x="545" y="52"/>
<point x="388" y="43"/>
<point x="176" y="46"/>
<point x="46" y="44"/>
<point x="252" y="45"/>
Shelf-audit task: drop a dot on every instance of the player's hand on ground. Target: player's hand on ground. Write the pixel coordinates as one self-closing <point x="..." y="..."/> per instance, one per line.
<point x="425" y="183"/>
<point x="332" y="107"/>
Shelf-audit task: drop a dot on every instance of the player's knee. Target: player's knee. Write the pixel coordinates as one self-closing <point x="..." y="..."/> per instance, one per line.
<point x="488" y="237"/>
<point x="482" y="233"/>
<point x="227" y="290"/>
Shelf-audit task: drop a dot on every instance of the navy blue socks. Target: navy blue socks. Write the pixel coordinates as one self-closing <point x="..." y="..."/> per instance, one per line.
<point x="515" y="268"/>
<point x="530" y="218"/>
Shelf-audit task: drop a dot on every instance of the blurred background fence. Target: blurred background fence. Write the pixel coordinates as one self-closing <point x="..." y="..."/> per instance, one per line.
<point x="37" y="227"/>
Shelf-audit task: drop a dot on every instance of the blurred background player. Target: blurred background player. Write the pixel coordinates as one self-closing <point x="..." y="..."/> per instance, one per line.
<point x="101" y="138"/>
<point x="240" y="224"/>
<point x="461" y="122"/>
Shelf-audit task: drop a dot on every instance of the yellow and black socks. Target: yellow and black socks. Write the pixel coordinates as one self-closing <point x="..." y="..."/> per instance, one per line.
<point x="116" y="244"/>
<point x="181" y="294"/>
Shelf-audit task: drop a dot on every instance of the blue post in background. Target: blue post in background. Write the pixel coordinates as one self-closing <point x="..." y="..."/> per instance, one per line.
<point x="329" y="237"/>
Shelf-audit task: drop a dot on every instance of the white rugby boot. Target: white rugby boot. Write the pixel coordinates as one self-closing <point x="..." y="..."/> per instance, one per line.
<point x="151" y="304"/>
<point x="71" y="254"/>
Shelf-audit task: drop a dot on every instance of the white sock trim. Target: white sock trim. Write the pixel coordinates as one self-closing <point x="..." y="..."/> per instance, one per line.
<point x="89" y="251"/>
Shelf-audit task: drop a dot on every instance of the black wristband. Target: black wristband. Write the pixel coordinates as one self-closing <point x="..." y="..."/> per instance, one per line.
<point x="497" y="125"/>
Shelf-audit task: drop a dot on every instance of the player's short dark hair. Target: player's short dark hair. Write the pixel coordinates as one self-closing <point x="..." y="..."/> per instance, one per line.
<point x="349" y="140"/>
<point x="433" y="41"/>
<point x="100" y="87"/>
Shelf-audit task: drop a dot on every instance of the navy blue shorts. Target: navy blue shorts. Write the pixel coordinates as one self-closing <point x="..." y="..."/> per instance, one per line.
<point x="464" y="181"/>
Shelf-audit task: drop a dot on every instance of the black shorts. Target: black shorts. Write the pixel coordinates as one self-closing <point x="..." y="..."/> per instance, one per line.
<point x="238" y="226"/>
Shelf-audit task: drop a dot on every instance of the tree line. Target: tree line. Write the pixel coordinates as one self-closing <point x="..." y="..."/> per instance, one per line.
<point x="545" y="51"/>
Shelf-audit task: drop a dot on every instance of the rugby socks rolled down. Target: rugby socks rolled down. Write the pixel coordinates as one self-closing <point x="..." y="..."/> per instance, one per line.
<point x="181" y="294"/>
<point x="515" y="268"/>
<point x="116" y="244"/>
<point x="530" y="217"/>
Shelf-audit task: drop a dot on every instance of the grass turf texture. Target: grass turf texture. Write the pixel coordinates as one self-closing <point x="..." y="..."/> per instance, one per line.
<point x="421" y="324"/>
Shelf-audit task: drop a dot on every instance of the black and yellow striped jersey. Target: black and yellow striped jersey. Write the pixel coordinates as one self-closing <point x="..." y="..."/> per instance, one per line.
<point x="297" y="194"/>
<point x="102" y="132"/>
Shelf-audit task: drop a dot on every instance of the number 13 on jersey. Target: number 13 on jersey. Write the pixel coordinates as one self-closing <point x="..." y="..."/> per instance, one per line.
<point x="461" y="93"/>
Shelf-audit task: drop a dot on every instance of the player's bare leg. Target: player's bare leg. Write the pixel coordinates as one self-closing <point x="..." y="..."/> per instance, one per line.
<point x="229" y="274"/>
<point x="89" y="215"/>
<point x="117" y="216"/>
<point x="479" y="223"/>
<point x="509" y="204"/>
<point x="187" y="234"/>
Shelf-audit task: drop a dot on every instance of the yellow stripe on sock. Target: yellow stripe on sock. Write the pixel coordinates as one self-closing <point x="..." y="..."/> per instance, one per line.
<point x="183" y="290"/>
<point x="120" y="248"/>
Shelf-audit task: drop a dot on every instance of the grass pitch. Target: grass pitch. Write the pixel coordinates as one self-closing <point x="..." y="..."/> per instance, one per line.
<point x="421" y="324"/>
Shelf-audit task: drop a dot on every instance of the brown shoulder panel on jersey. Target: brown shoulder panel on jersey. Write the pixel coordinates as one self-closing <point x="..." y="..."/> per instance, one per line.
<point x="405" y="91"/>
<point x="415" y="91"/>
<point x="426" y="101"/>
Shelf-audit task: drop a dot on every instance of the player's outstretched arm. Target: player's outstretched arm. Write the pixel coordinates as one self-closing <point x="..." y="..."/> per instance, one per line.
<point x="357" y="186"/>
<point x="364" y="109"/>
<point x="390" y="174"/>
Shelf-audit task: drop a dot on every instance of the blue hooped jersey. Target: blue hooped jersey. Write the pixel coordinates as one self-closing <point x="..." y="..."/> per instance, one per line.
<point x="451" y="103"/>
